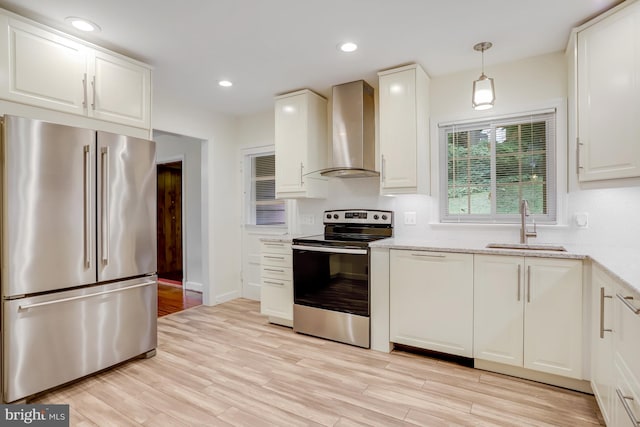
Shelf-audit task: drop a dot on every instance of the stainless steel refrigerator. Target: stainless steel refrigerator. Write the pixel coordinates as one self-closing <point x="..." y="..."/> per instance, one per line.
<point x="79" y="290"/>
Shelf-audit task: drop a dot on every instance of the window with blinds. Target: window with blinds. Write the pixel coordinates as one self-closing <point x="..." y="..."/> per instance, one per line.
<point x="265" y="209"/>
<point x="489" y="166"/>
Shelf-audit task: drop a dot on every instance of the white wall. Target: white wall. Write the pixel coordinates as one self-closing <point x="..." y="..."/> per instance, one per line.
<point x="220" y="191"/>
<point x="521" y="86"/>
<point x="171" y="147"/>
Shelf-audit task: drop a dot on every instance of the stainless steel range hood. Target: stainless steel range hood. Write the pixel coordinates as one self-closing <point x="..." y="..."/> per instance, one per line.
<point x="353" y="132"/>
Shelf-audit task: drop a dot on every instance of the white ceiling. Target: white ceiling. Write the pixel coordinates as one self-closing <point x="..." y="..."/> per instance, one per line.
<point x="268" y="47"/>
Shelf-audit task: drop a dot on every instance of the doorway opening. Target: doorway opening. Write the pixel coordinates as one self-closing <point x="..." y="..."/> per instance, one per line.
<point x="170" y="223"/>
<point x="179" y="222"/>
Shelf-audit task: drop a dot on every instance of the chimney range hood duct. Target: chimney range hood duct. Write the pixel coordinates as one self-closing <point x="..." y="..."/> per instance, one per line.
<point x="353" y="143"/>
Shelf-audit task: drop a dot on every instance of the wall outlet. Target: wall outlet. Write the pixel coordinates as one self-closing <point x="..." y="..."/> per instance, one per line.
<point x="307" y="219"/>
<point x="410" y="218"/>
<point x="582" y="220"/>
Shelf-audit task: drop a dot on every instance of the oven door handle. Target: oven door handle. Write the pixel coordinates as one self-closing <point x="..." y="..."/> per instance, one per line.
<point x="330" y="249"/>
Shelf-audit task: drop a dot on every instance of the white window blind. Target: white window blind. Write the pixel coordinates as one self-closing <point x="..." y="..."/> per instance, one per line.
<point x="487" y="167"/>
<point x="265" y="209"/>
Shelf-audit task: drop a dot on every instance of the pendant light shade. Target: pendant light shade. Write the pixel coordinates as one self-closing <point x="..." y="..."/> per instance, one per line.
<point x="484" y="94"/>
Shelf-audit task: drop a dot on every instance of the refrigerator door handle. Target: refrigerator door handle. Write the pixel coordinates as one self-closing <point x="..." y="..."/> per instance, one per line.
<point x="104" y="151"/>
<point x="87" y="206"/>
<point x="57" y="301"/>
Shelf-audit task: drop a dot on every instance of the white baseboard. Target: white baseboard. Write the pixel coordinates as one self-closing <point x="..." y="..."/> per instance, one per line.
<point x="193" y="286"/>
<point x="227" y="297"/>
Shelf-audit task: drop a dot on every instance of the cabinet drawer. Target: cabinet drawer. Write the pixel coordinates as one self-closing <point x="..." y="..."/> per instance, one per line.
<point x="276" y="260"/>
<point x="276" y="298"/>
<point x="276" y="272"/>
<point x="626" y="397"/>
<point x="627" y="331"/>
<point x="275" y="248"/>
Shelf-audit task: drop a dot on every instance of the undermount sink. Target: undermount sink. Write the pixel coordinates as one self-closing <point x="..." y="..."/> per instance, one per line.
<point x="526" y="247"/>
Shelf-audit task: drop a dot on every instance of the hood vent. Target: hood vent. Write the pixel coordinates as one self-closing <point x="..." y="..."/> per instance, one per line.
<point x="353" y="144"/>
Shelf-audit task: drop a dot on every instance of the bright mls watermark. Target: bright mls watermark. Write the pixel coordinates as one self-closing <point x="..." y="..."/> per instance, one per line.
<point x="34" y="415"/>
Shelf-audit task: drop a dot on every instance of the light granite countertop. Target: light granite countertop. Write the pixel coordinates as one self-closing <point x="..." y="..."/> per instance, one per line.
<point x="622" y="263"/>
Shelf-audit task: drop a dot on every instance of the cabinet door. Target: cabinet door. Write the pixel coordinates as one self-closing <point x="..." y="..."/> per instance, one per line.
<point x="602" y="374"/>
<point x="120" y="90"/>
<point x="398" y="129"/>
<point x="498" y="309"/>
<point x="431" y="300"/>
<point x="290" y="142"/>
<point x="553" y="316"/>
<point x="276" y="298"/>
<point x="609" y="75"/>
<point x="44" y="69"/>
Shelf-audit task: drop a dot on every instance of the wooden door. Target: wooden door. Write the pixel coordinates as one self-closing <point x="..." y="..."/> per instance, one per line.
<point x="170" y="221"/>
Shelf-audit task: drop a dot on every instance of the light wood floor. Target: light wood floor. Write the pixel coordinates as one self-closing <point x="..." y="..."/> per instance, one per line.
<point x="225" y="365"/>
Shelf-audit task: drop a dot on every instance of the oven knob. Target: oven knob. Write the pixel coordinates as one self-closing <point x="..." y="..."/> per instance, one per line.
<point x="384" y="217"/>
<point x="328" y="216"/>
<point x="335" y="216"/>
<point x="376" y="217"/>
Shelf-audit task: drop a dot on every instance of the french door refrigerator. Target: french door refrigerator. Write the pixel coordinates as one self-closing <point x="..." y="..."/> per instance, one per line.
<point x="78" y="253"/>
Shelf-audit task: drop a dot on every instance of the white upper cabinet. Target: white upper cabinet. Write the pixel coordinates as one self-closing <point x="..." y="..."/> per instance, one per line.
<point x="43" y="68"/>
<point x="301" y="144"/>
<point x="404" y="130"/>
<point x="46" y="68"/>
<point x="120" y="90"/>
<point x="608" y="89"/>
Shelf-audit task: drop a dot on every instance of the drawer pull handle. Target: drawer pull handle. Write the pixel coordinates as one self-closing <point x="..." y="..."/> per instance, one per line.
<point x="273" y="283"/>
<point x="519" y="280"/>
<point x="79" y="297"/>
<point x="273" y="257"/>
<point x="624" y="399"/>
<point x="602" y="297"/>
<point x="429" y="256"/>
<point x="626" y="302"/>
<point x="528" y="283"/>
<point x="274" y="269"/>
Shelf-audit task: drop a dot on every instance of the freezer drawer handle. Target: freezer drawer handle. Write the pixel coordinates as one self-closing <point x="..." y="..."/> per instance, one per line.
<point x="626" y="302"/>
<point x="42" y="304"/>
<point x="105" y="204"/>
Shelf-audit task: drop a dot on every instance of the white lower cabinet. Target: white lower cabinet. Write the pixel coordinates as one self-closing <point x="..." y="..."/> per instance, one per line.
<point x="528" y="313"/>
<point x="276" y="280"/>
<point x="626" y="395"/>
<point x="601" y="334"/>
<point x="431" y="300"/>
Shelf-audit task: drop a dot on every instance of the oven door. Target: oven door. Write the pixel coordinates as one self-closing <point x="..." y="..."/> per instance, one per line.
<point x="332" y="278"/>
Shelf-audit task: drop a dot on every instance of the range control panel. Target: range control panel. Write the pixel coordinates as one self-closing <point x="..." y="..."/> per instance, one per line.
<point x="358" y="216"/>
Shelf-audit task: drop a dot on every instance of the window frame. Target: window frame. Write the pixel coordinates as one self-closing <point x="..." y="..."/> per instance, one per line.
<point x="250" y="202"/>
<point x="550" y="116"/>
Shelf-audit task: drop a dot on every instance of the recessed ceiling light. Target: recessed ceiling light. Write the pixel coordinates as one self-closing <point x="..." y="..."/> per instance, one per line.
<point x="348" y="47"/>
<point x="82" y="24"/>
<point x="225" y="83"/>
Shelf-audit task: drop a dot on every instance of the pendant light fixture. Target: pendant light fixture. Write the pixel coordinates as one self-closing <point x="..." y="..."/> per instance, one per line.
<point x="484" y="94"/>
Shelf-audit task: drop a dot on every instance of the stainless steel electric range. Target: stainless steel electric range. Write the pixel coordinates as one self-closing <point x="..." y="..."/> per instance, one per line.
<point x="331" y="283"/>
